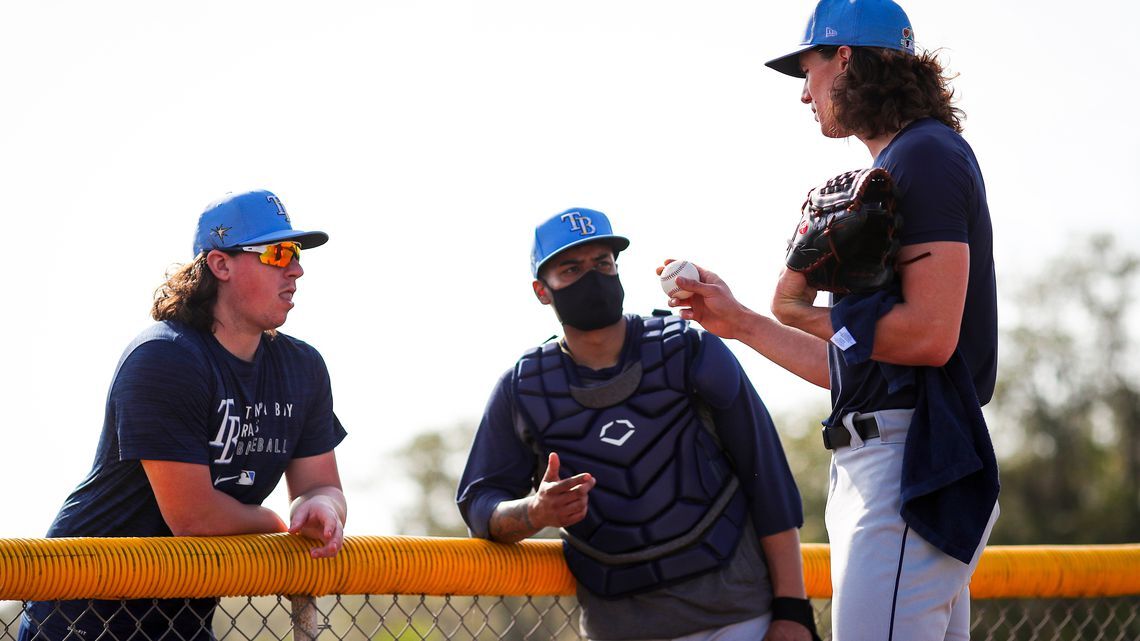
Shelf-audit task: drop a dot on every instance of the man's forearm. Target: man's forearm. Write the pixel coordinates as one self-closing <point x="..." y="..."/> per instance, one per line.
<point x="191" y="506"/>
<point x="789" y="347"/>
<point x="222" y="515"/>
<point x="785" y="563"/>
<point x="511" y="521"/>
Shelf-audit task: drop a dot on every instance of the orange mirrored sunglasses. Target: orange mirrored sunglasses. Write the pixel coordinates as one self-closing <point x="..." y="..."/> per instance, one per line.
<point x="277" y="254"/>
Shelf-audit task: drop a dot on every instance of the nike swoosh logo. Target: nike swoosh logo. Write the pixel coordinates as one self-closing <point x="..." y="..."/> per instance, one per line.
<point x="223" y="479"/>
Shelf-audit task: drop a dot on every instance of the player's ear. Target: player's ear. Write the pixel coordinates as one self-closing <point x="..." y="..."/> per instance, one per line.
<point x="219" y="263"/>
<point x="844" y="54"/>
<point x="541" y="292"/>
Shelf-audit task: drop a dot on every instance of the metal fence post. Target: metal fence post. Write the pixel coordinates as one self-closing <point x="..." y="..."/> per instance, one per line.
<point x="304" y="615"/>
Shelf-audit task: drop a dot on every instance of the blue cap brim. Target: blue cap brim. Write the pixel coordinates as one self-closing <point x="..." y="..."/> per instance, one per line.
<point x="790" y="64"/>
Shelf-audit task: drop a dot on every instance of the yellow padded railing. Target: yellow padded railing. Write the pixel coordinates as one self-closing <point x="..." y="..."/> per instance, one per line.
<point x="263" y="564"/>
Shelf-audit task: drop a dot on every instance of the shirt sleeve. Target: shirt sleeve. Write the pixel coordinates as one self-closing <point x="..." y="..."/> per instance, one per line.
<point x="500" y="466"/>
<point x="748" y="437"/>
<point x="937" y="189"/>
<point x="160" y="399"/>
<point x="323" y="430"/>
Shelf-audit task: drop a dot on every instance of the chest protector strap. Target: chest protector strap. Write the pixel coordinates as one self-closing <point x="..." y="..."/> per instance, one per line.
<point x="667" y="506"/>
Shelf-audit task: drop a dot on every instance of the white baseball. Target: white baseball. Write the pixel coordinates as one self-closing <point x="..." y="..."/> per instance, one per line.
<point x="669" y="276"/>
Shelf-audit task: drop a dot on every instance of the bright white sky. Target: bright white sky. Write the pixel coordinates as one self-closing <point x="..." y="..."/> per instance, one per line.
<point x="428" y="139"/>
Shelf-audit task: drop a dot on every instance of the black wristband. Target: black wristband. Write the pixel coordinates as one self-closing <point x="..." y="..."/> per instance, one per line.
<point x="785" y="608"/>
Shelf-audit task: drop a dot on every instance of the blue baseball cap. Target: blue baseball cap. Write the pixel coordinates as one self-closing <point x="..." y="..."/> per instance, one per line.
<point x="571" y="228"/>
<point x="249" y="218"/>
<point x="855" y="23"/>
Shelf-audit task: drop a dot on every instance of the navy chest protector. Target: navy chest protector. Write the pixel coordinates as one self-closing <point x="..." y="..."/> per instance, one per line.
<point x="667" y="506"/>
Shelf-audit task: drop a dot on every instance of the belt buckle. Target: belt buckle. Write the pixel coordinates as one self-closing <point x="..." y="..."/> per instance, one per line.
<point x="825" y="431"/>
<point x="835" y="436"/>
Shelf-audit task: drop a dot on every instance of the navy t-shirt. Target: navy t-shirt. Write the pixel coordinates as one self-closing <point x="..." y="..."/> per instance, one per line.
<point x="942" y="198"/>
<point x="178" y="395"/>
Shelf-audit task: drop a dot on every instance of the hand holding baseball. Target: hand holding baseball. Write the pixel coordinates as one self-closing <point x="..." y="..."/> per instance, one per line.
<point x="709" y="302"/>
<point x="670" y="271"/>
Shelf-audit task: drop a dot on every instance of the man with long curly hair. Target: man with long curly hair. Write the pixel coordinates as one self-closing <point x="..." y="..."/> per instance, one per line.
<point x="914" y="483"/>
<point x="207" y="410"/>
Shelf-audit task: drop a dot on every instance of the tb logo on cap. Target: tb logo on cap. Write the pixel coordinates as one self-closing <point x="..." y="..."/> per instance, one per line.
<point x="280" y="207"/>
<point x="579" y="223"/>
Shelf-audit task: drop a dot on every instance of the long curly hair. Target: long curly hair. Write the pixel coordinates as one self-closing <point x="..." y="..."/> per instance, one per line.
<point x="188" y="295"/>
<point x="883" y="89"/>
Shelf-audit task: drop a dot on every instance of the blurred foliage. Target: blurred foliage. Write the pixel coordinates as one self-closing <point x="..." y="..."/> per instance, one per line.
<point x="810" y="462"/>
<point x="1065" y="416"/>
<point x="1066" y="413"/>
<point x="433" y="461"/>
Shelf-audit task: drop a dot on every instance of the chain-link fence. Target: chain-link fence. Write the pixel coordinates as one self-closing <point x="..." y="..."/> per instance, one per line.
<point x="486" y="618"/>
<point x="386" y="588"/>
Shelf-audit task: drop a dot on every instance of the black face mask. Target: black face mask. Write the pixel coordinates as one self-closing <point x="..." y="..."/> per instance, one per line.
<point x="592" y="302"/>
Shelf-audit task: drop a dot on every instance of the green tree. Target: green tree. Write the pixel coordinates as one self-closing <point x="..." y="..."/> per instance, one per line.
<point x="1066" y="413"/>
<point x="433" y="461"/>
<point x="810" y="462"/>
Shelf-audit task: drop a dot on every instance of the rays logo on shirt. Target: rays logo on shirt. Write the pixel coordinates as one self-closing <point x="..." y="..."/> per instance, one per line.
<point x="238" y="435"/>
<point x="227" y="436"/>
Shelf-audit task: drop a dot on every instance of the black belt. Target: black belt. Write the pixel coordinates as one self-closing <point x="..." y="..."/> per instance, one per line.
<point x="837" y="436"/>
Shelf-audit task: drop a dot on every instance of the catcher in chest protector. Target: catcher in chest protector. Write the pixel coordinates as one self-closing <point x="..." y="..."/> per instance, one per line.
<point x="644" y="443"/>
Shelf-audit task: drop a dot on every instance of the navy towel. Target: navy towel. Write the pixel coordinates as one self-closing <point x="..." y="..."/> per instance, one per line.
<point x="949" y="478"/>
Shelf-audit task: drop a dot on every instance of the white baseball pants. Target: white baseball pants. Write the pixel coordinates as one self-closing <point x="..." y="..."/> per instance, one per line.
<point x="889" y="584"/>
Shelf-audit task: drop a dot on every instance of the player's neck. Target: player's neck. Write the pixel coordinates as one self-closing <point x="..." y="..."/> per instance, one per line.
<point x="241" y="343"/>
<point x="877" y="144"/>
<point x="596" y="349"/>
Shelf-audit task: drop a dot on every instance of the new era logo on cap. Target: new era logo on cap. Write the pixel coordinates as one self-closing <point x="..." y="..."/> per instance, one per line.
<point x="830" y="33"/>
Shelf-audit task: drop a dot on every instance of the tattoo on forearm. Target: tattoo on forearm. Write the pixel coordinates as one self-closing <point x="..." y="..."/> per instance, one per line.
<point x="512" y="523"/>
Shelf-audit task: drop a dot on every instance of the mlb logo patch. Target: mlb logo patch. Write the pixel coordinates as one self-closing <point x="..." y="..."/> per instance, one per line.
<point x="907" y="40"/>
